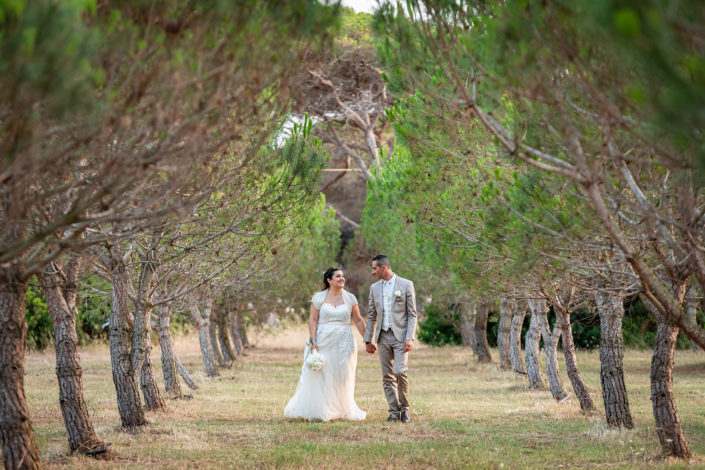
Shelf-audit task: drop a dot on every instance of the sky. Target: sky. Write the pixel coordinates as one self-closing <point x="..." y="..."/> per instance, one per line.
<point x="361" y="5"/>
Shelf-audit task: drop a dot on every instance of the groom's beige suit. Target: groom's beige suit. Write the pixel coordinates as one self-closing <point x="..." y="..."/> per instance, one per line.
<point x="400" y="325"/>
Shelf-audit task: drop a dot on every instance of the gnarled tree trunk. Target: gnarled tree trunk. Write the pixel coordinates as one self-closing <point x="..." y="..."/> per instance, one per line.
<point x="124" y="376"/>
<point x="571" y="364"/>
<point x="235" y="333"/>
<point x="479" y="333"/>
<point x="506" y="310"/>
<point x="242" y="332"/>
<point x="533" y="369"/>
<point x="691" y="309"/>
<point x="226" y="346"/>
<point x="202" y="319"/>
<point x="473" y="319"/>
<point x="61" y="303"/>
<point x="171" y="380"/>
<point x="19" y="447"/>
<point x="184" y="374"/>
<point x="515" y="337"/>
<point x="466" y="314"/>
<point x="213" y="337"/>
<point x="153" y="400"/>
<point x="142" y="329"/>
<point x="539" y="309"/>
<point x="614" y="392"/>
<point x="668" y="425"/>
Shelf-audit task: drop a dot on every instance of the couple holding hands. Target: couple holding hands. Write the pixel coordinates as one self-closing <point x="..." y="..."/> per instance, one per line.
<point x="328" y="393"/>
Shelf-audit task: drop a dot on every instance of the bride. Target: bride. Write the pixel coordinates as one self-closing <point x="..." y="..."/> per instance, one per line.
<point x="328" y="394"/>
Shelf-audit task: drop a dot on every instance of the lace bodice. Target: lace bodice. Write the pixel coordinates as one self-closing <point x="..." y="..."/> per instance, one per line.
<point x="329" y="314"/>
<point x="334" y="315"/>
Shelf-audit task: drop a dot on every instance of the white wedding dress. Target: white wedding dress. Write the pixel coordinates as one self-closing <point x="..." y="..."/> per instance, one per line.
<point x="328" y="394"/>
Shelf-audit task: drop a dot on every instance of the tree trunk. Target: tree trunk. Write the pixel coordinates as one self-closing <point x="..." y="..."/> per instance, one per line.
<point x="571" y="364"/>
<point x="150" y="391"/>
<point x="124" y="376"/>
<point x="476" y="317"/>
<point x="466" y="313"/>
<point x="242" y="332"/>
<point x="61" y="303"/>
<point x="533" y="369"/>
<point x="202" y="319"/>
<point x="213" y="337"/>
<point x="19" y="447"/>
<point x="235" y="333"/>
<point x="515" y="338"/>
<point x="226" y="346"/>
<point x="141" y="341"/>
<point x="668" y="425"/>
<point x="171" y="380"/>
<point x="691" y="309"/>
<point x="614" y="391"/>
<point x="506" y="310"/>
<point x="539" y="309"/>
<point x="184" y="374"/>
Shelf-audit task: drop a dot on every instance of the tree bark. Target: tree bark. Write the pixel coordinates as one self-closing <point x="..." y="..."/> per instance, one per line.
<point x="533" y="369"/>
<point x="61" y="303"/>
<point x="614" y="391"/>
<point x="506" y="310"/>
<point x="141" y="332"/>
<point x="668" y="425"/>
<point x="213" y="337"/>
<point x="226" y="346"/>
<point x="202" y="319"/>
<point x="476" y="315"/>
<point x="124" y="376"/>
<point x="153" y="400"/>
<point x="242" y="332"/>
<point x="171" y="380"/>
<point x="235" y="333"/>
<point x="466" y="312"/>
<point x="19" y="447"/>
<point x="184" y="374"/>
<point x="539" y="309"/>
<point x="691" y="309"/>
<point x="515" y="338"/>
<point x="571" y="364"/>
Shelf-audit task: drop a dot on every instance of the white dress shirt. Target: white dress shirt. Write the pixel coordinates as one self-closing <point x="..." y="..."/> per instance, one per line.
<point x="387" y="299"/>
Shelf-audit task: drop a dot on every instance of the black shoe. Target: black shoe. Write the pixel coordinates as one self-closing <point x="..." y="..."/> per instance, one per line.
<point x="405" y="416"/>
<point x="393" y="417"/>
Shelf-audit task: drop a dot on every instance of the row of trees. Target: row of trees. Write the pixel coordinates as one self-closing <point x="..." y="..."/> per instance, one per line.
<point x="139" y="144"/>
<point x="550" y="154"/>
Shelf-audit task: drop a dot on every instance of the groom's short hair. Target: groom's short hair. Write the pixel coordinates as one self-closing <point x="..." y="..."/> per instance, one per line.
<point x="382" y="260"/>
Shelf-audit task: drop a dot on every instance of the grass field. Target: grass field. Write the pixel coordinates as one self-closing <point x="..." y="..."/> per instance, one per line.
<point x="464" y="415"/>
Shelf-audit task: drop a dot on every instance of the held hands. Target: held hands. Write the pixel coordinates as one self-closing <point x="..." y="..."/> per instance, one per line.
<point x="408" y="345"/>
<point x="370" y="348"/>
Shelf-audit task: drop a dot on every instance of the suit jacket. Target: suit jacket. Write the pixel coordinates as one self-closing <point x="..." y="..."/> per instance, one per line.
<point x="403" y="310"/>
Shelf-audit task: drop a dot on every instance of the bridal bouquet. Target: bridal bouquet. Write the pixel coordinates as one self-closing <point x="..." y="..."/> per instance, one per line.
<point x="314" y="361"/>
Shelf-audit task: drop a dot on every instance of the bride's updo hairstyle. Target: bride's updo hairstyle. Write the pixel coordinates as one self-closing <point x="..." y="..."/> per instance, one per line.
<point x="328" y="275"/>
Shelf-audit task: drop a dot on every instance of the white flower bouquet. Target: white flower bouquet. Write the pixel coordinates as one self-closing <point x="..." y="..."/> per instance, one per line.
<point x="314" y="361"/>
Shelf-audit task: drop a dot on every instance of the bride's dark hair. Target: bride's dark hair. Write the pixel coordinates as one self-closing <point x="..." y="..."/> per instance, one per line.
<point x="327" y="276"/>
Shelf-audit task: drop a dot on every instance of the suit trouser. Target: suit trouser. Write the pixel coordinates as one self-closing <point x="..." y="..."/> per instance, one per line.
<point x="394" y="367"/>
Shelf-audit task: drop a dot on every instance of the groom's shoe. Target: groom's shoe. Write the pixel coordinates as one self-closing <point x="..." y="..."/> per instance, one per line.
<point x="405" y="416"/>
<point x="393" y="417"/>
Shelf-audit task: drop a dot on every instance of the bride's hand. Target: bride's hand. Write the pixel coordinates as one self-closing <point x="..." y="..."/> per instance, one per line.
<point x="314" y="346"/>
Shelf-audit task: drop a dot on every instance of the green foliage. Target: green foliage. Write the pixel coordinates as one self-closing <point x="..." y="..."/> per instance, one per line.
<point x="439" y="326"/>
<point x="93" y="311"/>
<point x="39" y="331"/>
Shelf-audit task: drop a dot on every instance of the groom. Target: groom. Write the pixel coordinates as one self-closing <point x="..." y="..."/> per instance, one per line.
<point x="392" y="318"/>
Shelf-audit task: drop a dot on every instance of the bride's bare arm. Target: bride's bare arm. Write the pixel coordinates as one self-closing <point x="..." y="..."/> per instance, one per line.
<point x="313" y="325"/>
<point x="357" y="320"/>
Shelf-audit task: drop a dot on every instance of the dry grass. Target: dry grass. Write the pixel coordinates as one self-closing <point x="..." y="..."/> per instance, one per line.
<point x="464" y="415"/>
